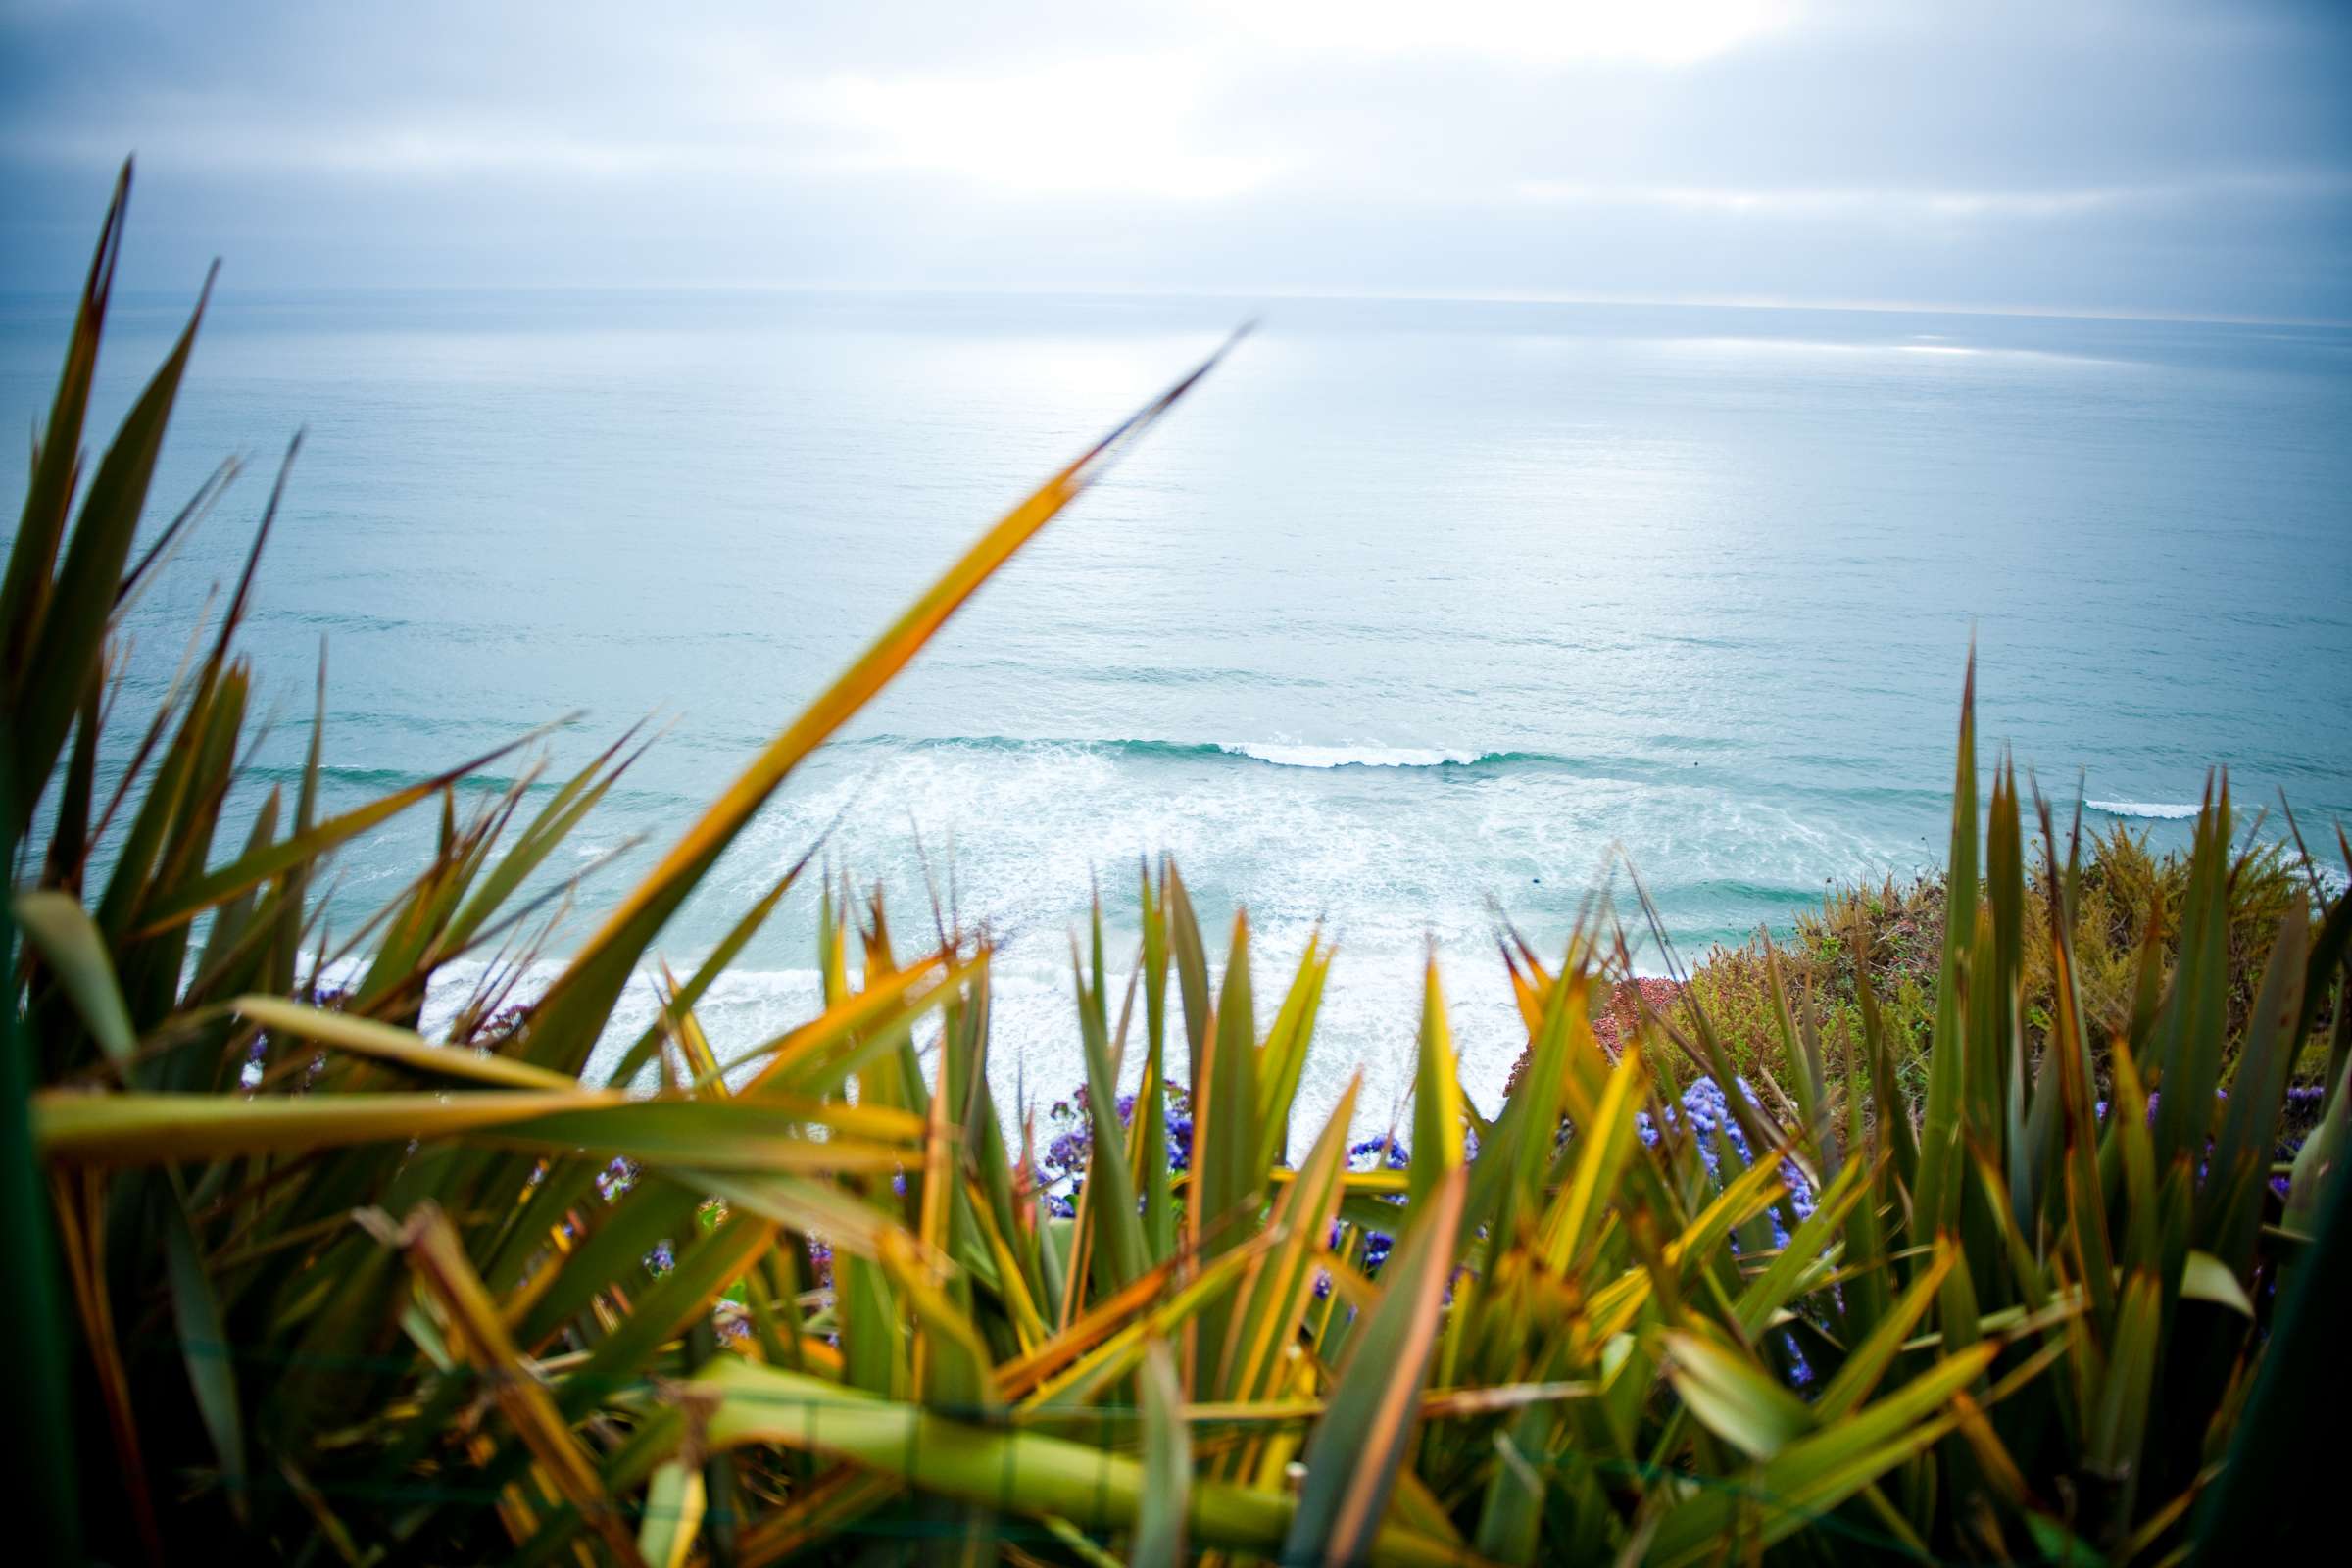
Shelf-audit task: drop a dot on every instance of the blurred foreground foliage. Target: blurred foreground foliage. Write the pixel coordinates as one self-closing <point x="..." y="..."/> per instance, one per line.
<point x="290" y="1278"/>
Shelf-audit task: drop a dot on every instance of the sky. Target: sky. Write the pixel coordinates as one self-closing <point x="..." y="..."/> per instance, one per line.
<point x="2076" y="156"/>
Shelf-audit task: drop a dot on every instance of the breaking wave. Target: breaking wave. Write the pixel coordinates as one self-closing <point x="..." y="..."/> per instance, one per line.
<point x="2155" y="810"/>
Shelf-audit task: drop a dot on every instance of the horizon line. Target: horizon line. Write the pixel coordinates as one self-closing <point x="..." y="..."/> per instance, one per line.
<point x="1733" y="301"/>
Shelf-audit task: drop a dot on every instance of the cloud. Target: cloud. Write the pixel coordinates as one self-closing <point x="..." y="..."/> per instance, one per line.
<point x="1925" y="205"/>
<point x="1128" y="126"/>
<point x="2090" y="155"/>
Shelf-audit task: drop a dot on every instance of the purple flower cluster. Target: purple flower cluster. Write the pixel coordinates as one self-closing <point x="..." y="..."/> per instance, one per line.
<point x="1061" y="1170"/>
<point x="2098" y="1108"/>
<point x="1384" y="1153"/>
<point x="1706" y="1114"/>
<point x="2299" y="1114"/>
<point x="2304" y="1102"/>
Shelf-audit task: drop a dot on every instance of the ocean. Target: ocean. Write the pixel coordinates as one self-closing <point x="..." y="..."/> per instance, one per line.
<point x="1415" y="616"/>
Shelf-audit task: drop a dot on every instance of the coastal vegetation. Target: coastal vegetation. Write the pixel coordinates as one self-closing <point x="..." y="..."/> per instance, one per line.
<point x="1956" y="1228"/>
<point x="1890" y="939"/>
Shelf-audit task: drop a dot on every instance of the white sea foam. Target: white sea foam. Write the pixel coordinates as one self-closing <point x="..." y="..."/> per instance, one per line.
<point x="2158" y="811"/>
<point x="1286" y="756"/>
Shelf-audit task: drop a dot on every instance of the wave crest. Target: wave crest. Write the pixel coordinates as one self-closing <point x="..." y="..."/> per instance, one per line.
<point x="2156" y="810"/>
<point x="1288" y="755"/>
<point x="1280" y="753"/>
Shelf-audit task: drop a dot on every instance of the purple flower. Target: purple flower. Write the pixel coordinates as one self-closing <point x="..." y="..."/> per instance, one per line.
<point x="1801" y="1370"/>
<point x="615" y="1179"/>
<point x="1708" y="1114"/>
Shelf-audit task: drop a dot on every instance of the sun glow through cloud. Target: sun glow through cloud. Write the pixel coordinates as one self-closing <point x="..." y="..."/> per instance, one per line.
<point x="1551" y="32"/>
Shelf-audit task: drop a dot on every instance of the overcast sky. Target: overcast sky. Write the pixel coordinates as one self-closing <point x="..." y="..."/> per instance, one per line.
<point x="2140" y="158"/>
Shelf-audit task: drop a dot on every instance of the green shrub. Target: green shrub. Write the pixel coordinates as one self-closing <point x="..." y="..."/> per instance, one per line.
<point x="2124" y="891"/>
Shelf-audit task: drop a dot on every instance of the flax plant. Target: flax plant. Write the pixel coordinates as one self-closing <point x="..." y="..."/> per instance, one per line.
<point x="409" y="1297"/>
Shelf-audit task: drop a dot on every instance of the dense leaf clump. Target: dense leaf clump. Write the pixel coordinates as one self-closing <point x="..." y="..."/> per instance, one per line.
<point x="1802" y="1262"/>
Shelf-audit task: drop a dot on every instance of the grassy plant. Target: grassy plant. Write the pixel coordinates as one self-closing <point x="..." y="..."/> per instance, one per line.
<point x="421" y="1299"/>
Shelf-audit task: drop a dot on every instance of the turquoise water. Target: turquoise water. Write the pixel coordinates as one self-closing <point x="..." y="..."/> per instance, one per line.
<point x="1412" y="608"/>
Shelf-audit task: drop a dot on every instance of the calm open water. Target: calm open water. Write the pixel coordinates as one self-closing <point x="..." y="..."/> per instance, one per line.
<point x="1411" y="607"/>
